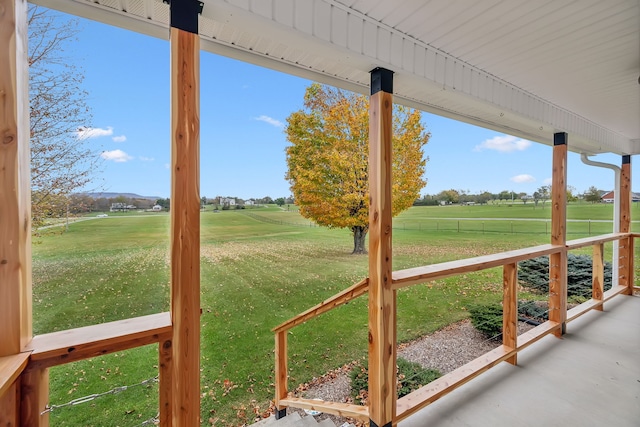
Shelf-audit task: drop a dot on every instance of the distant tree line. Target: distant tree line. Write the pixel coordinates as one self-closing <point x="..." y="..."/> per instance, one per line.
<point x="539" y="197"/>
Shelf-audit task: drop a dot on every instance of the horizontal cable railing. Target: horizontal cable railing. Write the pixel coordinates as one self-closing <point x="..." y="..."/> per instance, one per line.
<point x="512" y="343"/>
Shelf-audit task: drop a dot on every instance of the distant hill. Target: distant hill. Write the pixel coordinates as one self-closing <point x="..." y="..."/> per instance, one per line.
<point x="107" y="195"/>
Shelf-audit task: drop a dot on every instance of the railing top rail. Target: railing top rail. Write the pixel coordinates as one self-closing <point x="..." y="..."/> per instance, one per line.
<point x="10" y="368"/>
<point x="589" y="241"/>
<point x="80" y="343"/>
<point x="413" y="276"/>
<point x="351" y="293"/>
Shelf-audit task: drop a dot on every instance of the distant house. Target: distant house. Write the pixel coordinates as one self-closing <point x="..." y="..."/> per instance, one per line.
<point x="229" y="201"/>
<point x="156" y="208"/>
<point x="609" y="196"/>
<point x="121" y="207"/>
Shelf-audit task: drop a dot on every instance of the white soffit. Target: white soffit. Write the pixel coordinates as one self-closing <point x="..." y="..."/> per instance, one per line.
<point x="527" y="68"/>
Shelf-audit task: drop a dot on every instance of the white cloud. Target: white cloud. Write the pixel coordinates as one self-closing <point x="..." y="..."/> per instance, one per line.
<point x="504" y="144"/>
<point x="147" y="159"/>
<point x="88" y="133"/>
<point x="117" y="156"/>
<point x="271" y="121"/>
<point x="522" y="178"/>
<point x="548" y="181"/>
<point x="120" y="138"/>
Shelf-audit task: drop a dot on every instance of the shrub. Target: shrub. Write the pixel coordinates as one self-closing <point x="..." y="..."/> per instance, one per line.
<point x="411" y="376"/>
<point x="534" y="274"/>
<point x="487" y="318"/>
<point x="533" y="310"/>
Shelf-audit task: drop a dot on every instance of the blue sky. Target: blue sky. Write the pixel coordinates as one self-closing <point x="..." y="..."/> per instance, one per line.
<point x="243" y="111"/>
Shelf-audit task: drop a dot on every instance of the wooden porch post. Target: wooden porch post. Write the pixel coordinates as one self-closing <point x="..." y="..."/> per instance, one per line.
<point x="625" y="252"/>
<point x="185" y="211"/>
<point x="15" y="211"/>
<point x="558" y="261"/>
<point x="382" y="303"/>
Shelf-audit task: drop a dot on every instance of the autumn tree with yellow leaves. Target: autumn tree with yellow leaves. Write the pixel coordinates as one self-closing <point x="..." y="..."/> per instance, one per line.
<point x="329" y="154"/>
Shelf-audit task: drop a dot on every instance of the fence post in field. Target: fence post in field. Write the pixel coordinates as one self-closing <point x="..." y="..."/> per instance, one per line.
<point x="185" y="211"/>
<point x="382" y="304"/>
<point x="625" y="252"/>
<point x="558" y="261"/>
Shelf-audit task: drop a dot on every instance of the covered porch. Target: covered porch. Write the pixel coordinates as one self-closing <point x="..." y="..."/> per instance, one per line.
<point x="561" y="75"/>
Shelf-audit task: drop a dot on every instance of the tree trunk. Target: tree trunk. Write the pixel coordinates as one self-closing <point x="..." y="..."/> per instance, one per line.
<point x="359" y="233"/>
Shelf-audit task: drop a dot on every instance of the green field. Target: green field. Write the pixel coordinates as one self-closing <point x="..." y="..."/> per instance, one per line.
<point x="259" y="267"/>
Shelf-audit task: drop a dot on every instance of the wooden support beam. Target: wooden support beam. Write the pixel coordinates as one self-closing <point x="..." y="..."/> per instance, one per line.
<point x="625" y="246"/>
<point x="598" y="274"/>
<point x="382" y="299"/>
<point x="165" y="371"/>
<point x="15" y="182"/>
<point x="185" y="211"/>
<point x="34" y="397"/>
<point x="510" y="308"/>
<point x="282" y="376"/>
<point x="558" y="261"/>
<point x="10" y="405"/>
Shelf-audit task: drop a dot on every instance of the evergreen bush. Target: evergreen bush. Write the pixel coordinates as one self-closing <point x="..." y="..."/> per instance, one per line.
<point x="487" y="318"/>
<point x="534" y="274"/>
<point x="411" y="376"/>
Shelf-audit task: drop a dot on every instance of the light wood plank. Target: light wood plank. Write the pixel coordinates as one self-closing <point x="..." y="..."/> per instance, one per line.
<point x="10" y="368"/>
<point x="412" y="276"/>
<point x="595" y="240"/>
<point x="335" y="408"/>
<point x="537" y="333"/>
<point x="625" y="251"/>
<point x="281" y="372"/>
<point x="349" y="294"/>
<point x="433" y="391"/>
<point x="15" y="191"/>
<point x="558" y="261"/>
<point x="510" y="308"/>
<point x="597" y="291"/>
<point x="34" y="392"/>
<point x="185" y="225"/>
<point x="617" y="290"/>
<point x="382" y="302"/>
<point x="9" y="405"/>
<point x="585" y="307"/>
<point x="62" y="347"/>
<point x="165" y="376"/>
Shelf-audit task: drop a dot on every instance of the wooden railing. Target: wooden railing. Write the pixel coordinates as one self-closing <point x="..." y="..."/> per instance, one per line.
<point x="58" y="348"/>
<point x="512" y="343"/>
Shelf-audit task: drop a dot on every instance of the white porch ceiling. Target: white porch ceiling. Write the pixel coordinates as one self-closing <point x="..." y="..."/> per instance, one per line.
<point x="523" y="67"/>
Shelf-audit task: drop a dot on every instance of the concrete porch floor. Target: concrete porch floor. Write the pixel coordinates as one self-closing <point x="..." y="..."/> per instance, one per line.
<point x="590" y="377"/>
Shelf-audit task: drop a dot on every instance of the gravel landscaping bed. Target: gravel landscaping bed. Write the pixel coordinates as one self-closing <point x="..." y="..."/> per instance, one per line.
<point x="445" y="350"/>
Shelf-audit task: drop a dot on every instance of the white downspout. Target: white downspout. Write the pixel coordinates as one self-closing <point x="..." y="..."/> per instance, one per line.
<point x="616" y="208"/>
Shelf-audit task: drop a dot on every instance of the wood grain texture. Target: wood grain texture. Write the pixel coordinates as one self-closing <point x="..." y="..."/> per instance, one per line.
<point x="9" y="405"/>
<point x="625" y="247"/>
<point x="382" y="304"/>
<point x="597" y="280"/>
<point x="15" y="191"/>
<point x="34" y="392"/>
<point x="62" y="347"/>
<point x="10" y="369"/>
<point x="343" y="297"/>
<point x="558" y="262"/>
<point x="165" y="374"/>
<point x="335" y="408"/>
<point x="595" y="240"/>
<point x="510" y="308"/>
<point x="281" y="372"/>
<point x="412" y="276"/>
<point x="185" y="225"/>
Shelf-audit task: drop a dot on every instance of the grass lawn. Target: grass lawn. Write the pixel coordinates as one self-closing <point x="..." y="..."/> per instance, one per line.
<point x="259" y="267"/>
